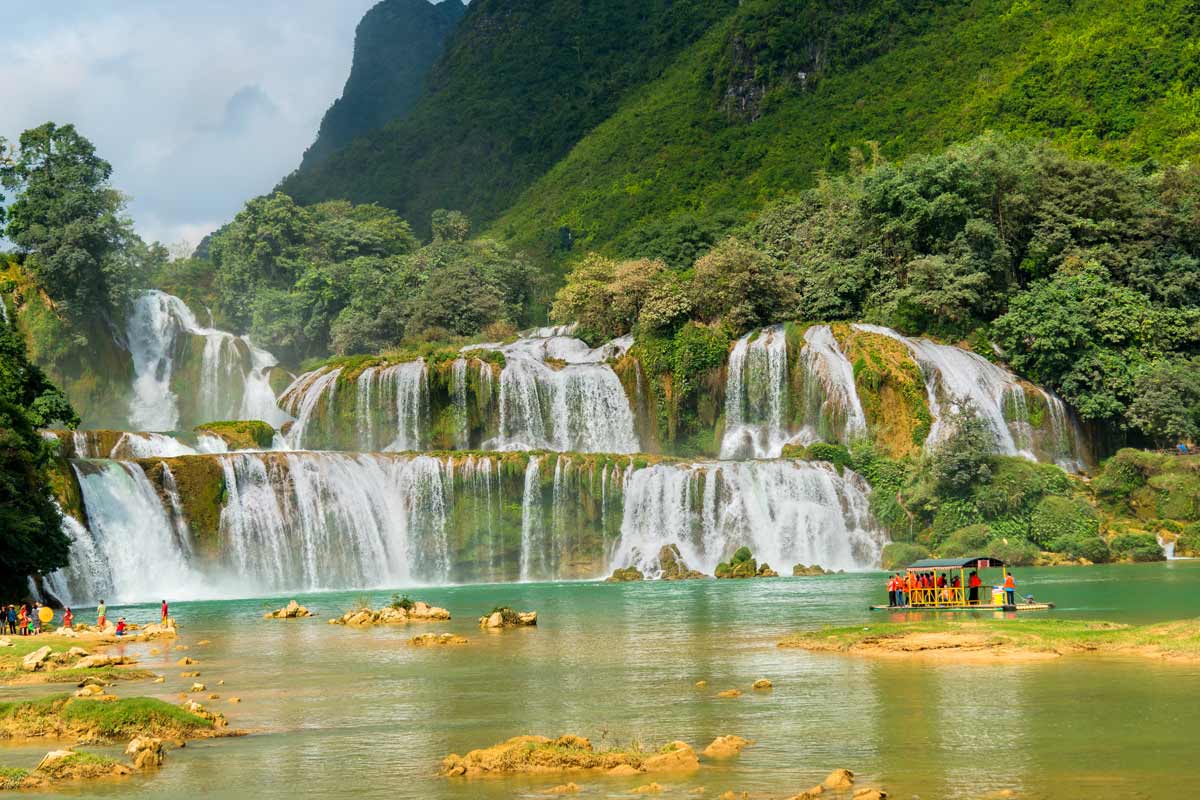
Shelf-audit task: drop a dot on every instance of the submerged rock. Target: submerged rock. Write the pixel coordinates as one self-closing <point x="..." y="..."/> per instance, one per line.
<point x="649" y="788"/>
<point x="147" y="752"/>
<point x="673" y="566"/>
<point x="540" y="754"/>
<point x="762" y="683"/>
<point x="434" y="639"/>
<point x="392" y="615"/>
<point x="565" y="788"/>
<point x="292" y="610"/>
<point x="505" y="617"/>
<point x="839" y="779"/>
<point x="726" y="747"/>
<point x="625" y="575"/>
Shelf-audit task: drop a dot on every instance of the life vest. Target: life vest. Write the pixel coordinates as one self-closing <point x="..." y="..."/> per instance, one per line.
<point x="1009" y="583"/>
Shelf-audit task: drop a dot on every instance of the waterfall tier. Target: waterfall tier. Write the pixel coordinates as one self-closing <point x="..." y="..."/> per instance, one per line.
<point x="249" y="523"/>
<point x="186" y="374"/>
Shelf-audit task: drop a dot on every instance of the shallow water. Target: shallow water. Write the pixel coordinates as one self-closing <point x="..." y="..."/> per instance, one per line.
<point x="341" y="712"/>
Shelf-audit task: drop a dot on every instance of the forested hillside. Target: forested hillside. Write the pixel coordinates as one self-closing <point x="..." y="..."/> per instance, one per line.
<point x="395" y="45"/>
<point x="606" y="127"/>
<point x="521" y="81"/>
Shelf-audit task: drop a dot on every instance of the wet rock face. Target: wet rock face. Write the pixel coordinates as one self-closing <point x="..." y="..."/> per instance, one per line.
<point x="673" y="567"/>
<point x="508" y="618"/>
<point x="393" y="615"/>
<point x="292" y="610"/>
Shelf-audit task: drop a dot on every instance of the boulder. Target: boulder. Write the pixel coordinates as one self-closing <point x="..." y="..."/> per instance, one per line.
<point x="36" y="660"/>
<point x="623" y="771"/>
<point x="147" y="752"/>
<point x="434" y="639"/>
<point x="673" y="567"/>
<point x="53" y="759"/>
<point x="292" y="610"/>
<point x="77" y="652"/>
<point x="89" y="691"/>
<point x="701" y="684"/>
<point x="839" y="779"/>
<point x="625" y="575"/>
<point x="675" y="757"/>
<point x="505" y="617"/>
<point x="726" y="747"/>
<point x="198" y="687"/>
<point x="186" y="661"/>
<point x="870" y="794"/>
<point x="5" y="642"/>
<point x="91" y="681"/>
<point x="743" y="569"/>
<point x="801" y="571"/>
<point x="762" y="683"/>
<point x="765" y="571"/>
<point x="189" y="674"/>
<point x="101" y="660"/>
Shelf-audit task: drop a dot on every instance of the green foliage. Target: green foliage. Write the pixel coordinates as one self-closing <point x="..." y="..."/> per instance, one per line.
<point x="1082" y="545"/>
<point x="1136" y="547"/>
<point x="968" y="541"/>
<point x="395" y="45"/>
<point x="31" y="537"/>
<point x="65" y="220"/>
<point x="1056" y="517"/>
<point x="519" y="84"/>
<point x="964" y="456"/>
<point x="1013" y="551"/>
<point x="836" y="454"/>
<point x="740" y="555"/>
<point x="605" y="297"/>
<point x="1166" y="406"/>
<point x="897" y="555"/>
<point x="738" y="285"/>
<point x="353" y="279"/>
<point x="402" y="602"/>
<point x="250" y="434"/>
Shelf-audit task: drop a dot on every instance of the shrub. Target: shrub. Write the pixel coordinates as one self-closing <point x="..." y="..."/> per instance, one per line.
<point x="1017" y="485"/>
<point x="1137" y="547"/>
<point x="402" y="602"/>
<point x="741" y="554"/>
<point x="1056" y="517"/>
<point x="1014" y="552"/>
<point x="1188" y="543"/>
<point x="835" y="454"/>
<point x="1125" y="473"/>
<point x="897" y="555"/>
<point x="1075" y="545"/>
<point x="969" y="541"/>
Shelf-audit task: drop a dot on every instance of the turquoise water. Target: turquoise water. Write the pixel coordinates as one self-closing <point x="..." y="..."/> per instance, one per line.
<point x="338" y="712"/>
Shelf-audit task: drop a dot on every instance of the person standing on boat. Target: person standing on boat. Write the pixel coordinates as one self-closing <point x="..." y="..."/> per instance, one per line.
<point x="973" y="584"/>
<point x="1010" y="590"/>
<point x="900" y="598"/>
<point x="891" y="584"/>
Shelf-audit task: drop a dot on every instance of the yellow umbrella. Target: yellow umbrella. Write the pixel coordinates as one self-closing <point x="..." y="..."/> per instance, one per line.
<point x="45" y="614"/>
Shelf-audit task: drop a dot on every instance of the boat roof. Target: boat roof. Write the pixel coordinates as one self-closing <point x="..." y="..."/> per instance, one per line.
<point x="974" y="562"/>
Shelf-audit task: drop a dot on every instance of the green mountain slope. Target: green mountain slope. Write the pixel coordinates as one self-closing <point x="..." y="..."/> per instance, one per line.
<point x="781" y="90"/>
<point x="395" y="45"/>
<point x="521" y="82"/>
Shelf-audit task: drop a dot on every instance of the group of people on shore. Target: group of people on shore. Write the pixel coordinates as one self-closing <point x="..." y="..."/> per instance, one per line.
<point x="27" y="621"/>
<point x="934" y="588"/>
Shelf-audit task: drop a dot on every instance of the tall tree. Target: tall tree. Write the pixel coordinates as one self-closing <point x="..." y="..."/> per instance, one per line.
<point x="31" y="537"/>
<point x="66" y="220"/>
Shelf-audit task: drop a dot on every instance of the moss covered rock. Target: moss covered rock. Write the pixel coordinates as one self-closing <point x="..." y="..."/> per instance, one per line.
<point x="249" y="434"/>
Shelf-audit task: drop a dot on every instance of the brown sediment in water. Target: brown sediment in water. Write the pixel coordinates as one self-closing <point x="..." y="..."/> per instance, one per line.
<point x="1005" y="641"/>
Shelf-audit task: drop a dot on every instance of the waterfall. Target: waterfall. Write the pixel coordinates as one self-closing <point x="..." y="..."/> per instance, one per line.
<point x="756" y="396"/>
<point x="458" y="396"/>
<point x="531" y="519"/>
<point x="147" y="445"/>
<point x="234" y="375"/>
<point x="786" y="512"/>
<point x="556" y="393"/>
<point x="953" y="374"/>
<point x="129" y="552"/>
<point x="408" y="384"/>
<point x="303" y="399"/>
<point x="832" y="409"/>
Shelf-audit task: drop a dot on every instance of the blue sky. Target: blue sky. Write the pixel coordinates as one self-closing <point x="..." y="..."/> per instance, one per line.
<point x="198" y="106"/>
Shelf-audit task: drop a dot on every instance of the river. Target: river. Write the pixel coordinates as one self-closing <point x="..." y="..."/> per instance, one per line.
<point x="340" y="712"/>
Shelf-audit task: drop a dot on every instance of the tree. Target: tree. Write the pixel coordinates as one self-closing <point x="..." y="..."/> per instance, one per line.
<point x="66" y="221"/>
<point x="31" y="537"/>
<point x="1166" y="405"/>
<point x="963" y="458"/>
<point x="740" y="285"/>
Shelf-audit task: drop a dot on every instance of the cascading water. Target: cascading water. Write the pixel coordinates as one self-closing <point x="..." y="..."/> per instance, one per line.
<point x="786" y="512"/>
<point x="558" y="394"/>
<point x="756" y="396"/>
<point x="234" y="375"/>
<point x="458" y="395"/>
<point x="130" y="551"/>
<point x="832" y="409"/>
<point x="953" y="374"/>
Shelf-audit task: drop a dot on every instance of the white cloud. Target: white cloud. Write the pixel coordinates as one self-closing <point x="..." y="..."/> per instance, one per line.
<point x="198" y="106"/>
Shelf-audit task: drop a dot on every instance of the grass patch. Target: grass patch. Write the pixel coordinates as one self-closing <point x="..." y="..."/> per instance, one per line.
<point x="63" y="715"/>
<point x="1179" y="639"/>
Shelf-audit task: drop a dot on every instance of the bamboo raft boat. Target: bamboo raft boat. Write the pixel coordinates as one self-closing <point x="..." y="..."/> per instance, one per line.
<point x="957" y="598"/>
